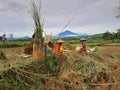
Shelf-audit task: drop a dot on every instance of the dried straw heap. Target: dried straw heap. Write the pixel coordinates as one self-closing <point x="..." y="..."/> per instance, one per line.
<point x="29" y="48"/>
<point x="2" y="55"/>
<point x="65" y="71"/>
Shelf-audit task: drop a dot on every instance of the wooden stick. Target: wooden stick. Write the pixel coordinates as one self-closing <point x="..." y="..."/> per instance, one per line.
<point x="105" y="84"/>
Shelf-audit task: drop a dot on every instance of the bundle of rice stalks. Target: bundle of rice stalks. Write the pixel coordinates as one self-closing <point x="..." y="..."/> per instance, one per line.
<point x="16" y="79"/>
<point x="36" y="15"/>
<point x="35" y="76"/>
<point x="65" y="63"/>
<point x="2" y="55"/>
<point x="59" y="70"/>
<point x="38" y="33"/>
<point x="68" y="46"/>
<point x="47" y="65"/>
<point x="87" y="69"/>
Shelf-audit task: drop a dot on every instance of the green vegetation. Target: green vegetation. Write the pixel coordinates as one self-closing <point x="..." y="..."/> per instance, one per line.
<point x="13" y="44"/>
<point x="96" y="42"/>
<point x="111" y="36"/>
<point x="100" y="42"/>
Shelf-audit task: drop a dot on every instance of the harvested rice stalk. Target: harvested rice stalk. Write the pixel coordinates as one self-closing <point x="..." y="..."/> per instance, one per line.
<point x="2" y="55"/>
<point x="38" y="34"/>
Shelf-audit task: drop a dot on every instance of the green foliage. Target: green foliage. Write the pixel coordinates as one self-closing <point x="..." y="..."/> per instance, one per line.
<point x="96" y="36"/>
<point x="108" y="36"/>
<point x="13" y="44"/>
<point x="94" y="42"/>
<point x="51" y="62"/>
<point x="47" y="65"/>
<point x="96" y="48"/>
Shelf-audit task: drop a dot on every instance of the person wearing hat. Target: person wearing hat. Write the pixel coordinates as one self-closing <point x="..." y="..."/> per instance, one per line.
<point x="61" y="48"/>
<point x="58" y="46"/>
<point x="84" y="45"/>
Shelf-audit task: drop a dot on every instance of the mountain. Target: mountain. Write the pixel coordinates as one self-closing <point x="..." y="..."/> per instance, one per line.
<point x="10" y="38"/>
<point x="24" y="38"/>
<point x="68" y="33"/>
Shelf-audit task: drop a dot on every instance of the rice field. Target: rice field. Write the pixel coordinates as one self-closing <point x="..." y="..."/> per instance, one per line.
<point x="67" y="71"/>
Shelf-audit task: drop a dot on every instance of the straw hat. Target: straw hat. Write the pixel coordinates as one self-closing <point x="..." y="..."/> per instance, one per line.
<point x="60" y="41"/>
<point x="83" y="39"/>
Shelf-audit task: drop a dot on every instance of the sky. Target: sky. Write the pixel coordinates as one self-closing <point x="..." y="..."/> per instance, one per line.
<point x="89" y="16"/>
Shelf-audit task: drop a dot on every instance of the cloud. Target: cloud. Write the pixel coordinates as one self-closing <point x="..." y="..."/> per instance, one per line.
<point x="89" y="16"/>
<point x="12" y="5"/>
<point x="85" y="13"/>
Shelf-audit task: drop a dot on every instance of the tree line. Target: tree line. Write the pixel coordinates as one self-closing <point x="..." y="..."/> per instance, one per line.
<point x="110" y="36"/>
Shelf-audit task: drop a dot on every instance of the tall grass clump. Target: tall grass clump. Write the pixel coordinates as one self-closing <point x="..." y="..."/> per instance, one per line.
<point x="38" y="33"/>
<point x="2" y="55"/>
<point x="38" y="23"/>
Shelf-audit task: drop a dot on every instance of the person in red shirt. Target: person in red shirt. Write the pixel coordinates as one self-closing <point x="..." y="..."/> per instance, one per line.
<point x="58" y="46"/>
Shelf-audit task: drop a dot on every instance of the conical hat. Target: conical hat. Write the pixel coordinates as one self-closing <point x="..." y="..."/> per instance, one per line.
<point x="60" y="41"/>
<point x="83" y="39"/>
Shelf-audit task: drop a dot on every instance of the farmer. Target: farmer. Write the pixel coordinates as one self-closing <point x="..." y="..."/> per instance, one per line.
<point x="61" y="48"/>
<point x="4" y="38"/>
<point x="50" y="44"/>
<point x="58" y="47"/>
<point x="84" y="45"/>
<point x="45" y="49"/>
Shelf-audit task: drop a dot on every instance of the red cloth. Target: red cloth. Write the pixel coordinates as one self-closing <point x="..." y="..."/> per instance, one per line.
<point x="57" y="48"/>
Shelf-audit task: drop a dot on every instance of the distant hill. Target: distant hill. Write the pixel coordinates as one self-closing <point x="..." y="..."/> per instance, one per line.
<point x="24" y="38"/>
<point x="67" y="34"/>
<point x="10" y="38"/>
<point x="20" y="38"/>
<point x="96" y="36"/>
